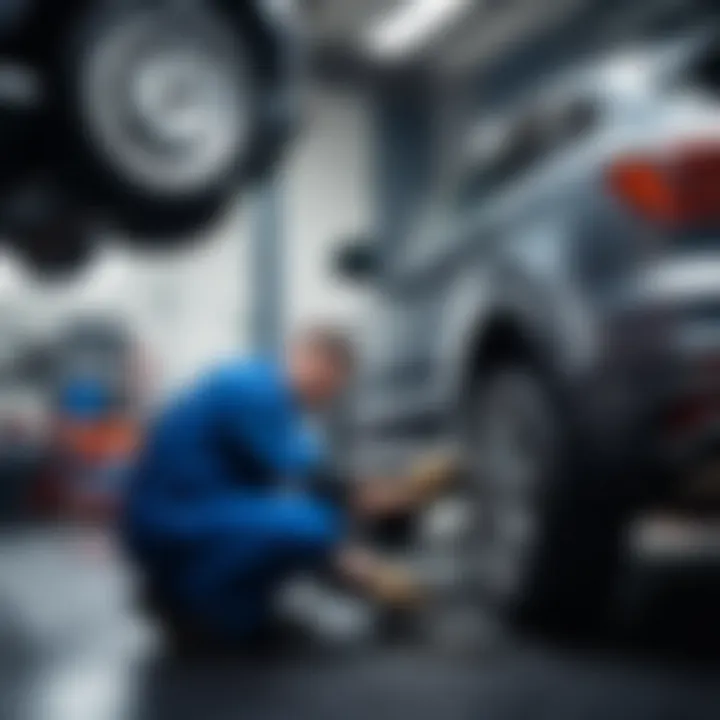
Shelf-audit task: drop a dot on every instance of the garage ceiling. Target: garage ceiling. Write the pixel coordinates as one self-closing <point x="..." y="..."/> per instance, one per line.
<point x="467" y="30"/>
<point x="461" y="34"/>
<point x="342" y="22"/>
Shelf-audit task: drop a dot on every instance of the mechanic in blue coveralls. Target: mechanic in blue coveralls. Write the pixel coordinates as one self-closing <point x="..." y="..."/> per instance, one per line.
<point x="221" y="511"/>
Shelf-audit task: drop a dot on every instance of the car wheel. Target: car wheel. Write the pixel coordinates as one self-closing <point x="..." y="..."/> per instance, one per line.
<point x="532" y="551"/>
<point x="514" y="454"/>
<point x="156" y="111"/>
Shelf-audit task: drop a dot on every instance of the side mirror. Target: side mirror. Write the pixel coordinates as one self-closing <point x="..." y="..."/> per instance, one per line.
<point x="358" y="260"/>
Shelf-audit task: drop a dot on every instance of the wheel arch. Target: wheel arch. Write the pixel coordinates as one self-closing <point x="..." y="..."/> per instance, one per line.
<point x="502" y="337"/>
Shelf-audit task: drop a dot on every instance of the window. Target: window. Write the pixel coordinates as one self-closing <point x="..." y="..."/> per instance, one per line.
<point x="534" y="138"/>
<point x="564" y="124"/>
<point x="517" y="150"/>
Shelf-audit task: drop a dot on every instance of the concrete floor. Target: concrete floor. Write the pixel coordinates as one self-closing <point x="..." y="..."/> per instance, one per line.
<point x="71" y="649"/>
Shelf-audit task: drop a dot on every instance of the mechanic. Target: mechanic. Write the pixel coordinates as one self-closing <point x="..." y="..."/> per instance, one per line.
<point x="221" y="508"/>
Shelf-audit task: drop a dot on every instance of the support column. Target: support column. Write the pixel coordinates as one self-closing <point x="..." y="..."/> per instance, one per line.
<point x="267" y="269"/>
<point x="405" y="147"/>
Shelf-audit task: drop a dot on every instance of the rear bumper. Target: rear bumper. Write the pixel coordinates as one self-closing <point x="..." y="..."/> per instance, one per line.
<point x="658" y="539"/>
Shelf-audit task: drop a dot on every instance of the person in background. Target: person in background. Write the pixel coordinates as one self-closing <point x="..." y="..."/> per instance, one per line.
<point x="221" y="509"/>
<point x="98" y="419"/>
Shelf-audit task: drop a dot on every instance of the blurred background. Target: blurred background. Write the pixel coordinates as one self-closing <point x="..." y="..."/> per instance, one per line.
<point x="181" y="185"/>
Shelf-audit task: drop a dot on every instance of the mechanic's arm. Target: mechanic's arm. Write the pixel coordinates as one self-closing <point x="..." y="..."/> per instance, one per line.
<point x="382" y="497"/>
<point x="376" y="498"/>
<point x="368" y="573"/>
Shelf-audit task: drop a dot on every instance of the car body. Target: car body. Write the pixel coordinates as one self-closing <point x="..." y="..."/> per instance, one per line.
<point x="538" y="263"/>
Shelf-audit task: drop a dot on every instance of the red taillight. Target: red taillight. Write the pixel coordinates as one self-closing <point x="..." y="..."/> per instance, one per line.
<point x="679" y="188"/>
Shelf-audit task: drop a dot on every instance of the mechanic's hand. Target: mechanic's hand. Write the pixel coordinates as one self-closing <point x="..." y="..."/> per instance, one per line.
<point x="433" y="475"/>
<point x="390" y="584"/>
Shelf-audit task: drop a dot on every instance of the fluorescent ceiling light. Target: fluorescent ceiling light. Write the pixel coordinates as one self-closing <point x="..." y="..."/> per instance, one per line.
<point x="403" y="30"/>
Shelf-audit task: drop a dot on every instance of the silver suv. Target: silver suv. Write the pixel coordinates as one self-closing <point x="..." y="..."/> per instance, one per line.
<point x="560" y="318"/>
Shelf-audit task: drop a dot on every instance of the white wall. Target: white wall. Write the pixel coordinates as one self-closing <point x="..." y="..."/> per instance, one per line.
<point x="329" y="200"/>
<point x="194" y="308"/>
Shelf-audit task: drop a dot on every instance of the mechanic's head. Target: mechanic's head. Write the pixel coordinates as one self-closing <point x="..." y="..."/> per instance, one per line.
<point x="320" y="362"/>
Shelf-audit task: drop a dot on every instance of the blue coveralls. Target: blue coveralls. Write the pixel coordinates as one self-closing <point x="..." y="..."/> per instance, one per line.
<point x="216" y="515"/>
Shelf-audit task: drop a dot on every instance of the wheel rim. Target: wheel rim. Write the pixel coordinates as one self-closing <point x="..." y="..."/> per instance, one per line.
<point x="166" y="99"/>
<point x="511" y="454"/>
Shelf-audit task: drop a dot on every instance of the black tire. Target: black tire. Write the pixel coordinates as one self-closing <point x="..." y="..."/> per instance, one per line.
<point x="560" y="572"/>
<point x="155" y="114"/>
<point x="56" y="254"/>
<point x="49" y="232"/>
<point x="21" y="140"/>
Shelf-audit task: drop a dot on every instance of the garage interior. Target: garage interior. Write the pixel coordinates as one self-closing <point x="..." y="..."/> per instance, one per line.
<point x="391" y="95"/>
